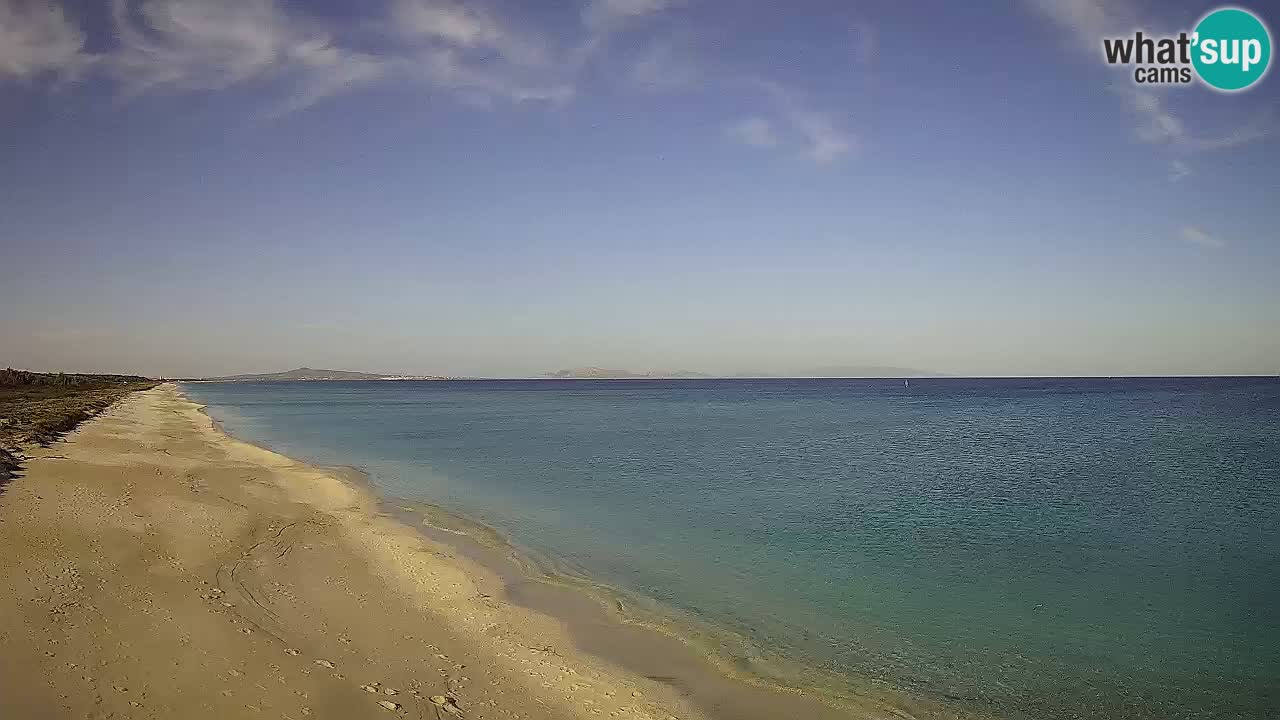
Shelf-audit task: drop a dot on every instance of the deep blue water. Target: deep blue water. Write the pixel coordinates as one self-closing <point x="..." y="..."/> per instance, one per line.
<point x="1032" y="548"/>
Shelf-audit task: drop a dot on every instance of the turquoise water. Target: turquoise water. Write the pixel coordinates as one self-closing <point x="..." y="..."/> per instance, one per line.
<point x="1028" y="548"/>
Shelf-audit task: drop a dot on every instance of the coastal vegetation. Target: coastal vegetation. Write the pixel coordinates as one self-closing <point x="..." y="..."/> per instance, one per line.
<point x="37" y="408"/>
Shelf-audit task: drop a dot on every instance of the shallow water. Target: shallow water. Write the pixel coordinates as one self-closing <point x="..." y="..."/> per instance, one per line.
<point x="1029" y="548"/>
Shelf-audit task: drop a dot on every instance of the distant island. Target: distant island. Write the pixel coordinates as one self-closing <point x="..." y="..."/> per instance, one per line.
<point x="869" y="371"/>
<point x="599" y="373"/>
<point x="313" y="374"/>
<point x="586" y="373"/>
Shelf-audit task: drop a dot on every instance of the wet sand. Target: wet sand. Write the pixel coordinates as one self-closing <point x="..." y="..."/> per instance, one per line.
<point x="154" y="566"/>
<point x="654" y="648"/>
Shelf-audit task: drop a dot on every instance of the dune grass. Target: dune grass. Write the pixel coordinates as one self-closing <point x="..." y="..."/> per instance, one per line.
<point x="37" y="408"/>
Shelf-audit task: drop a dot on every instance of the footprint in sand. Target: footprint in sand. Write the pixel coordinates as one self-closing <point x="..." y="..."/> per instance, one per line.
<point x="446" y="703"/>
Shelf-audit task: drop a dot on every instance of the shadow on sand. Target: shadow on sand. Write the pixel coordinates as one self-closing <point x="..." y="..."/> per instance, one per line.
<point x="10" y="464"/>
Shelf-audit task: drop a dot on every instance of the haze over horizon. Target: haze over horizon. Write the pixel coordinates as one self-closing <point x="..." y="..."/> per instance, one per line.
<point x="506" y="189"/>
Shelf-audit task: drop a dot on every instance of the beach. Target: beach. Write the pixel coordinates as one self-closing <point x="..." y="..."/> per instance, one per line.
<point x="156" y="566"/>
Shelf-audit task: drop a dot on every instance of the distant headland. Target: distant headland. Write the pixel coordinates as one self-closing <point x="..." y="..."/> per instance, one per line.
<point x="583" y="373"/>
<point x="304" y="373"/>
<point x="599" y="373"/>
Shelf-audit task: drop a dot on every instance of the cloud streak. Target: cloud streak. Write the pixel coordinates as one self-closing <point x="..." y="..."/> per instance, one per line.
<point x="1160" y="126"/>
<point x="865" y="42"/>
<point x="468" y="29"/>
<point x="1197" y="236"/>
<point x="463" y="47"/>
<point x="468" y="49"/>
<point x="37" y="38"/>
<point x="204" y="45"/>
<point x="824" y="138"/>
<point x="753" y="131"/>
<point x="192" y="45"/>
<point x="662" y="67"/>
<point x="606" y="16"/>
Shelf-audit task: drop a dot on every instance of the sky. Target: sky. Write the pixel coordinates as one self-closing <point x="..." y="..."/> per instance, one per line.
<point x="191" y="187"/>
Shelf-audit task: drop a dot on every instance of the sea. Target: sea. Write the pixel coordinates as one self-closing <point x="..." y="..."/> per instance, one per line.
<point x="1010" y="548"/>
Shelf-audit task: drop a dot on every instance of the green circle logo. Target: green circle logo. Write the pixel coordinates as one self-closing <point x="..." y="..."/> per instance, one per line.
<point x="1232" y="49"/>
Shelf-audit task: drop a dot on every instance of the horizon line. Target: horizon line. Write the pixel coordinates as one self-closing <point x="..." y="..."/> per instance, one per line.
<point x="447" y="378"/>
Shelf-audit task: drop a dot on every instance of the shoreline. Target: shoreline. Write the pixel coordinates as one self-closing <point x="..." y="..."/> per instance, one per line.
<point x="160" y="566"/>
<point x="663" y="645"/>
<point x="482" y="563"/>
<point x="155" y="566"/>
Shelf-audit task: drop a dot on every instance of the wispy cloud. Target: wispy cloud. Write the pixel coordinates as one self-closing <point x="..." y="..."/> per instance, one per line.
<point x="483" y="55"/>
<point x="209" y="45"/>
<point x="199" y="45"/>
<point x="1197" y="236"/>
<point x="1086" y="22"/>
<point x="603" y="19"/>
<point x="37" y="38"/>
<point x="663" y="67"/>
<point x="448" y="21"/>
<point x="328" y="71"/>
<point x="865" y="41"/>
<point x="469" y="28"/>
<point x="483" y="82"/>
<point x="471" y="49"/>
<point x="824" y="138"/>
<point x="1178" y="170"/>
<point x="606" y="16"/>
<point x="1160" y="126"/>
<point x="188" y="45"/>
<point x="827" y="142"/>
<point x="754" y="131"/>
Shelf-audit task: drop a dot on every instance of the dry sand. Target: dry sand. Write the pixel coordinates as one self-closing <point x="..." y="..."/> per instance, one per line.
<point x="152" y="566"/>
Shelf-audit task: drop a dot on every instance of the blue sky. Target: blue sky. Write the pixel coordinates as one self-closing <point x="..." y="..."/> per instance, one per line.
<point x="198" y="187"/>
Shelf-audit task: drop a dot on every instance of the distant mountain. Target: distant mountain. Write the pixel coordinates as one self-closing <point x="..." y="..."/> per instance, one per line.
<point x="599" y="373"/>
<point x="313" y="374"/>
<point x="589" y="373"/>
<point x="868" y="371"/>
<point x="677" y="374"/>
